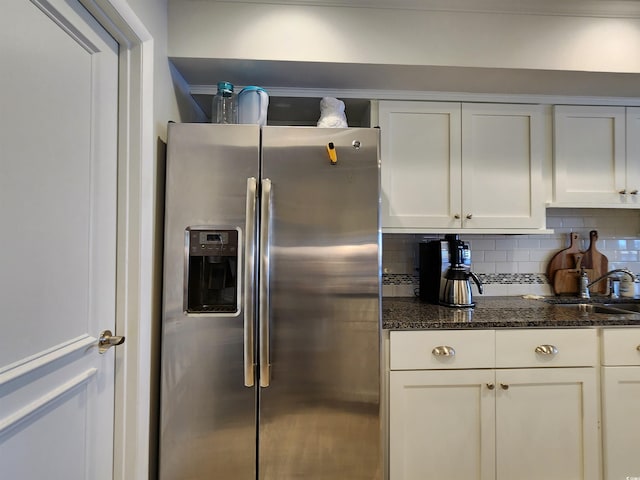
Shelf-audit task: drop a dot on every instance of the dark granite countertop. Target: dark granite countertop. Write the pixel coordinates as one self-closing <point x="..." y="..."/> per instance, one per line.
<point x="405" y="313"/>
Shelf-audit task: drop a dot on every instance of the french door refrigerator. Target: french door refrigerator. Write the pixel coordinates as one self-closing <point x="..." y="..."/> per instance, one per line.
<point x="271" y="307"/>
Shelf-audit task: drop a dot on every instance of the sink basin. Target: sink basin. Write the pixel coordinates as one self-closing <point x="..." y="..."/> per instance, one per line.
<point x="612" y="309"/>
<point x="631" y="307"/>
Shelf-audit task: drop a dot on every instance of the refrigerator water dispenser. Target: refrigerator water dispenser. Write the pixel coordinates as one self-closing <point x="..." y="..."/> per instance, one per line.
<point x="212" y="271"/>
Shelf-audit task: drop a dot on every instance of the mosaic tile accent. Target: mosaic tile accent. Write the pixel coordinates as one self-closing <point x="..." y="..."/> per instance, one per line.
<point x="512" y="278"/>
<point x="399" y="279"/>
<point x="485" y="278"/>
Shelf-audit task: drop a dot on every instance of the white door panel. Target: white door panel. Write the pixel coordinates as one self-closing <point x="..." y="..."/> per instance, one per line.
<point x="58" y="132"/>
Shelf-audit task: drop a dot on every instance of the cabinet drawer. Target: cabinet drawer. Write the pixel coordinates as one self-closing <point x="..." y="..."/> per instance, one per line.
<point x="621" y="346"/>
<point x="425" y="350"/>
<point x="546" y="348"/>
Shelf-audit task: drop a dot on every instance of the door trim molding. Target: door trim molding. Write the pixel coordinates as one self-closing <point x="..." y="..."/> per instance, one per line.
<point x="45" y="357"/>
<point x="136" y="227"/>
<point x="14" y="420"/>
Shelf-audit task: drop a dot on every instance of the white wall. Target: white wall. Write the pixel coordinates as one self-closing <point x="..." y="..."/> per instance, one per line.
<point x="170" y="98"/>
<point x="239" y="30"/>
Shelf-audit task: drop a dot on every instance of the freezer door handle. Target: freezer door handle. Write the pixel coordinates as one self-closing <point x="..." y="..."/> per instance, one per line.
<point x="265" y="227"/>
<point x="249" y="280"/>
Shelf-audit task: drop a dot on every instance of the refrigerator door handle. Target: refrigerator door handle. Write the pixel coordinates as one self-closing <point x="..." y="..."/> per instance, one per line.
<point x="249" y="280"/>
<point x="265" y="226"/>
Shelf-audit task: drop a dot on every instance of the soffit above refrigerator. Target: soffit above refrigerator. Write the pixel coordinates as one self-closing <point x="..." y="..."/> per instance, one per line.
<point x="355" y="83"/>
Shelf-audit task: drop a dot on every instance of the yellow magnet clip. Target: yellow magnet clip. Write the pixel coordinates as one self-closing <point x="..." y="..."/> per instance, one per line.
<point x="331" y="150"/>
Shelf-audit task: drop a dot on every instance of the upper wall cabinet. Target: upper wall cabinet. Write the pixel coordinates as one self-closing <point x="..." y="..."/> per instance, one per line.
<point x="450" y="167"/>
<point x="596" y="156"/>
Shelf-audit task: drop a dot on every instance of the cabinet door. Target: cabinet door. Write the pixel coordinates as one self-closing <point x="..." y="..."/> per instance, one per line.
<point x="502" y="151"/>
<point x="589" y="154"/>
<point x="621" y="422"/>
<point x="420" y="149"/>
<point x="547" y="424"/>
<point x="442" y="425"/>
<point x="633" y="154"/>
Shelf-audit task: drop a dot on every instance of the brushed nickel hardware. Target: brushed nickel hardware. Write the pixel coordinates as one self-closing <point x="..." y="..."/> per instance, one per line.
<point x="504" y="386"/>
<point x="443" y="351"/>
<point x="457" y="216"/>
<point x="108" y="340"/>
<point x="469" y="216"/>
<point x="623" y="192"/>
<point x="490" y="386"/>
<point x="249" y="280"/>
<point x="547" y="350"/>
<point x="633" y="192"/>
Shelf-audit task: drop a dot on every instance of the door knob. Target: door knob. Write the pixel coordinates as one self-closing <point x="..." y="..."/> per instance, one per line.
<point x="108" y="340"/>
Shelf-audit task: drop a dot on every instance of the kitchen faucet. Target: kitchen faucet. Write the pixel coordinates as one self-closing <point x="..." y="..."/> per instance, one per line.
<point x="585" y="285"/>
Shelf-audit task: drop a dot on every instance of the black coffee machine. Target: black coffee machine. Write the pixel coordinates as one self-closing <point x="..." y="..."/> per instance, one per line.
<point x="435" y="259"/>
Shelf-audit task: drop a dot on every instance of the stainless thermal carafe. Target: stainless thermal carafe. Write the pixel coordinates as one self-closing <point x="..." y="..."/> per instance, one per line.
<point x="457" y="285"/>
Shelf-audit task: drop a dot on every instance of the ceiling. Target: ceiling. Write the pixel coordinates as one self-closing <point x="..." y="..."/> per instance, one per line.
<point x="613" y="8"/>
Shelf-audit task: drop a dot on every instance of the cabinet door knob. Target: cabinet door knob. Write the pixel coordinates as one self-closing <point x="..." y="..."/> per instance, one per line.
<point x="633" y="192"/>
<point x="469" y="216"/>
<point x="443" y="351"/>
<point x="638" y="348"/>
<point x="490" y="386"/>
<point x="623" y="192"/>
<point x="547" y="350"/>
<point x="457" y="216"/>
<point x="504" y="386"/>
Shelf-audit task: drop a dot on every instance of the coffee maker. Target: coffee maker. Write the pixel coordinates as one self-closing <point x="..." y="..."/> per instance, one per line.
<point x="457" y="287"/>
<point x="445" y="271"/>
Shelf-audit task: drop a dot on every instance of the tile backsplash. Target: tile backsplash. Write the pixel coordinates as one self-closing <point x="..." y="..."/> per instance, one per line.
<point x="517" y="264"/>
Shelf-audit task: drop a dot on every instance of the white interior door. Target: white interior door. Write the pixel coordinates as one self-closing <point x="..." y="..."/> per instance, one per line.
<point x="58" y="149"/>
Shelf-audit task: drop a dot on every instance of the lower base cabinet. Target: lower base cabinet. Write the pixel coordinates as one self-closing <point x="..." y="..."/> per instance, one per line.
<point x="621" y="403"/>
<point x="448" y="422"/>
<point x="441" y="425"/>
<point x="547" y="424"/>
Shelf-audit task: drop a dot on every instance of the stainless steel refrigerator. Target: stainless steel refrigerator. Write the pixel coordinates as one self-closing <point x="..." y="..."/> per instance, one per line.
<point x="271" y="312"/>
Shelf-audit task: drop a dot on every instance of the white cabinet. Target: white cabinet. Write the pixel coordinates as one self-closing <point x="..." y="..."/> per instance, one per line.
<point x="547" y="424"/>
<point x="421" y="165"/>
<point x="502" y="152"/>
<point x="461" y="167"/>
<point x="442" y="425"/>
<point x="596" y="156"/>
<point x="621" y="403"/>
<point x="533" y="414"/>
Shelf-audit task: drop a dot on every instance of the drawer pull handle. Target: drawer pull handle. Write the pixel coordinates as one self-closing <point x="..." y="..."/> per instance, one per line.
<point x="638" y="348"/>
<point x="490" y="386"/>
<point x="504" y="386"/>
<point x="443" y="351"/>
<point x="547" y="350"/>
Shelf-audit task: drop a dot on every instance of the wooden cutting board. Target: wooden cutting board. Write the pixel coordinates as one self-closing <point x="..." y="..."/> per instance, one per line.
<point x="567" y="280"/>
<point x="564" y="259"/>
<point x="597" y="262"/>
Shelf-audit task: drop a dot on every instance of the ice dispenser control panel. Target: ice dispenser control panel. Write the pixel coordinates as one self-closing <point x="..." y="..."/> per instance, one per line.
<point x="212" y="271"/>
